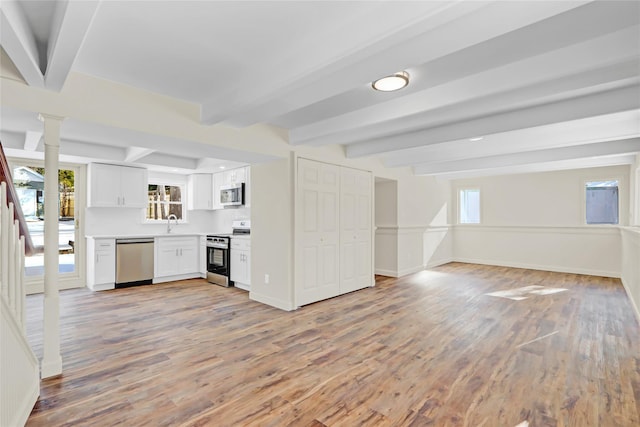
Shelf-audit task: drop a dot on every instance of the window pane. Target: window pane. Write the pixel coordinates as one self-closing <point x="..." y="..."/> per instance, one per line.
<point x="164" y="200"/>
<point x="602" y="202"/>
<point x="470" y="206"/>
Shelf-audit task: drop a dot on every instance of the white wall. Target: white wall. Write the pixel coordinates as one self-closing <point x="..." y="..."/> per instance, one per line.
<point x="537" y="221"/>
<point x="386" y="221"/>
<point x="631" y="265"/>
<point x="412" y="219"/>
<point x="272" y="234"/>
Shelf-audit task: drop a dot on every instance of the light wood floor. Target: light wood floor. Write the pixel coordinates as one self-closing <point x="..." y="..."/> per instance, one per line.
<point x="427" y="349"/>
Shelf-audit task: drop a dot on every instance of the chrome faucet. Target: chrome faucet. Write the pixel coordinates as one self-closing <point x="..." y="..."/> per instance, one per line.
<point x="169" y="218"/>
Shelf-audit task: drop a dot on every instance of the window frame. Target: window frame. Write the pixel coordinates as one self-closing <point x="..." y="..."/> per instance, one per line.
<point x="183" y="201"/>
<point x="459" y="207"/>
<point x="583" y="198"/>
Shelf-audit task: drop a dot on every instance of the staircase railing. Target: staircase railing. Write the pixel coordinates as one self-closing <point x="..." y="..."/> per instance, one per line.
<point x="19" y="370"/>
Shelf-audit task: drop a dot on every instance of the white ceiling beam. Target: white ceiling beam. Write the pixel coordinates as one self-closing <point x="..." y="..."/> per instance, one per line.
<point x="624" y="159"/>
<point x="31" y="140"/>
<point x="19" y="42"/>
<point x="293" y="87"/>
<point x="172" y="161"/>
<point x="72" y="20"/>
<point x="494" y="88"/>
<point x="136" y="153"/>
<point x="609" y="127"/>
<point x="602" y="149"/>
<point x="608" y="102"/>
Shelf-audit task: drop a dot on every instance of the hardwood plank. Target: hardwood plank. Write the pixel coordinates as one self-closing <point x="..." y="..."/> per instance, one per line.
<point x="426" y="349"/>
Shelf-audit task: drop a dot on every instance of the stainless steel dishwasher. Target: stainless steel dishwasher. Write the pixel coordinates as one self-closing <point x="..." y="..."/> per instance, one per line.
<point x="134" y="262"/>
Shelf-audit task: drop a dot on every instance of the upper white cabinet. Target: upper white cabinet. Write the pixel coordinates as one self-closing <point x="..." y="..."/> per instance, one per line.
<point x="200" y="191"/>
<point x="232" y="176"/>
<point x="217" y="183"/>
<point x="117" y="186"/>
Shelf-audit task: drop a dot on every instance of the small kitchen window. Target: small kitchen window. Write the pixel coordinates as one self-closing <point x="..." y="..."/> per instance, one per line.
<point x="469" y="206"/>
<point x="164" y="200"/>
<point x="601" y="202"/>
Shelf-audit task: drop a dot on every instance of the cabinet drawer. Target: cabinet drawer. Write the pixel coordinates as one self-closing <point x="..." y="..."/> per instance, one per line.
<point x="241" y="244"/>
<point x="105" y="245"/>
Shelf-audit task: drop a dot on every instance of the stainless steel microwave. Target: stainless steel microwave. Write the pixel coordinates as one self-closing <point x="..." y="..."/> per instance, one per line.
<point x="232" y="195"/>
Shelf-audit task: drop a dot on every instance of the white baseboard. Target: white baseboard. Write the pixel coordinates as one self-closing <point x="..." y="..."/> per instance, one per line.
<point x="273" y="302"/>
<point x="176" y="277"/>
<point x="439" y="262"/>
<point x="103" y="287"/>
<point x="554" y="268"/>
<point x="411" y="270"/>
<point x="388" y="273"/>
<point x="634" y="304"/>
<point x="29" y="401"/>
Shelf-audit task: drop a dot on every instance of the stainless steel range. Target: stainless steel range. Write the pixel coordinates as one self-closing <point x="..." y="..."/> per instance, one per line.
<point x="219" y="254"/>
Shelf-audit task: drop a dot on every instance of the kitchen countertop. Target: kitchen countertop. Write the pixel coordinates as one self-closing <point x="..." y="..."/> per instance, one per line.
<point x="141" y="236"/>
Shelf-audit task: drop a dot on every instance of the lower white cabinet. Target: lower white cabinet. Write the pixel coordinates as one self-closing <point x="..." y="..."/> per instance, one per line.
<point x="241" y="263"/>
<point x="176" y="256"/>
<point x="101" y="265"/>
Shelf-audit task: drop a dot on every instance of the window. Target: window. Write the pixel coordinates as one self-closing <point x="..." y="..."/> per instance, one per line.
<point x="469" y="206"/>
<point x="165" y="200"/>
<point x="602" y="202"/>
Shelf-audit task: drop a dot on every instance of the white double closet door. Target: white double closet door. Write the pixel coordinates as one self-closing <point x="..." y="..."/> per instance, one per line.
<point x="334" y="231"/>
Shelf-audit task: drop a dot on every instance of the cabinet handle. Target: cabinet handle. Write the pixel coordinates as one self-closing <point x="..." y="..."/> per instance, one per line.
<point x="180" y="251"/>
<point x="97" y="257"/>
<point x="176" y="252"/>
<point x="123" y="202"/>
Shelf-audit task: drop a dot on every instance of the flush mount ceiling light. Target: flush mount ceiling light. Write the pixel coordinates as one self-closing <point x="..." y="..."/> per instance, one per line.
<point x="476" y="138"/>
<point x="393" y="82"/>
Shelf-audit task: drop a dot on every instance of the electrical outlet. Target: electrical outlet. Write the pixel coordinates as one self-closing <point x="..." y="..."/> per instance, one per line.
<point x="266" y="279"/>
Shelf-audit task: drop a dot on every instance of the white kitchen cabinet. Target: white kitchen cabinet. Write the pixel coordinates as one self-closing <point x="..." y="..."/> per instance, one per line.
<point x="241" y="262"/>
<point x="200" y="191"/>
<point x="101" y="264"/>
<point x="247" y="186"/>
<point x="117" y="186"/>
<point x="234" y="176"/>
<point x="218" y="179"/>
<point x="176" y="256"/>
<point x="230" y="177"/>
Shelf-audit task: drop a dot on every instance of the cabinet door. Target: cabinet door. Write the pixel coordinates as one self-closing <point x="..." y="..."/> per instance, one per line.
<point x="105" y="261"/>
<point x="167" y="258"/>
<point x="134" y="187"/>
<point x="247" y="187"/>
<point x="218" y="180"/>
<point x="237" y="267"/>
<point x="104" y="185"/>
<point x="200" y="191"/>
<point x="318" y="237"/>
<point x="247" y="267"/>
<point x="355" y="230"/>
<point x="189" y="257"/>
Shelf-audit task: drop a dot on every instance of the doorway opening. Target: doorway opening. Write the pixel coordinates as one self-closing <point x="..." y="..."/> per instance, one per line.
<point x="28" y="178"/>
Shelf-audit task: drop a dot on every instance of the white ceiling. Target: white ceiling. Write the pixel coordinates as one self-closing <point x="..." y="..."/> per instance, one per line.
<point x="548" y="85"/>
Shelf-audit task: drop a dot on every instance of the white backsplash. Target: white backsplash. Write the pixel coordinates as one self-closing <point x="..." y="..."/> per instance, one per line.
<point x="123" y="222"/>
